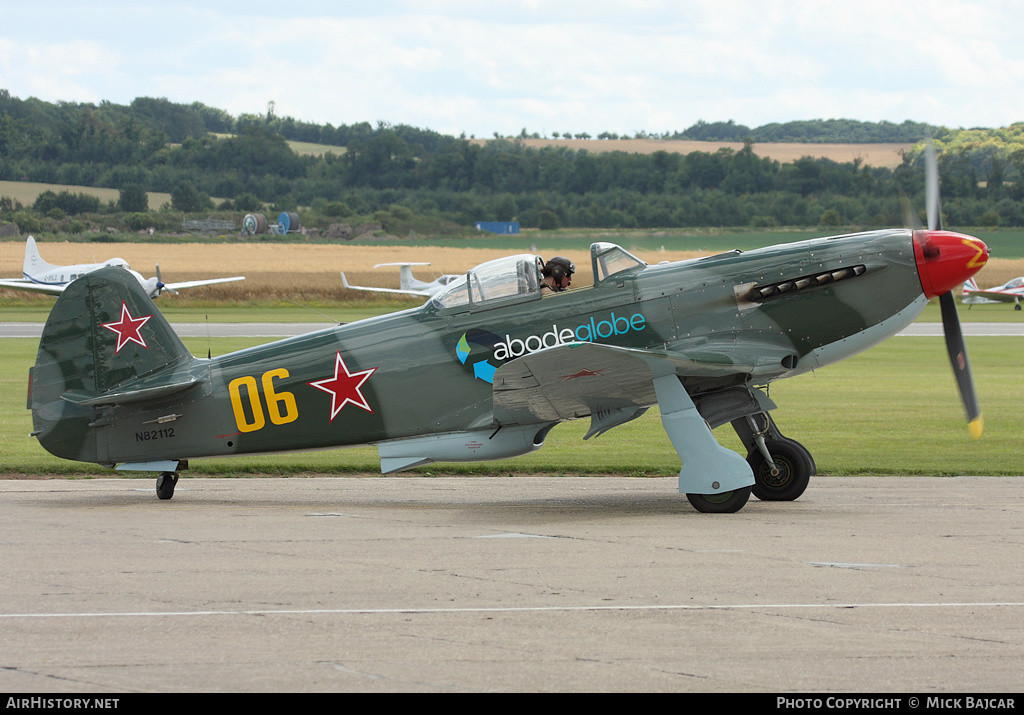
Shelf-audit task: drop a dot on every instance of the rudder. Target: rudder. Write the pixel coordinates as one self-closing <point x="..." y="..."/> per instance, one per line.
<point x="104" y="341"/>
<point x="34" y="263"/>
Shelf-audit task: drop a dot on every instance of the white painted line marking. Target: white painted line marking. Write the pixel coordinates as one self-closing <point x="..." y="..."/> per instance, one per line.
<point x="840" y="565"/>
<point x="514" y="609"/>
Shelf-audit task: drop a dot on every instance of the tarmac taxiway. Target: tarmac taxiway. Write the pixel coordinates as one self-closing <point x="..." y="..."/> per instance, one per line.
<point x="483" y="584"/>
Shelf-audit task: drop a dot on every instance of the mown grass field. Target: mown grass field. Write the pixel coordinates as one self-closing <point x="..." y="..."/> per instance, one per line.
<point x="892" y="410"/>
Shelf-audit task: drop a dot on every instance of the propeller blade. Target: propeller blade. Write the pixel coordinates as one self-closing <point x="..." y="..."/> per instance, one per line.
<point x="957" y="350"/>
<point x="159" y="282"/>
<point x="910" y="217"/>
<point x="931" y="187"/>
<point x="943" y="266"/>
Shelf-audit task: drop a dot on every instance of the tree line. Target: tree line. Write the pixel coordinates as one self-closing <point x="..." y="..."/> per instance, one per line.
<point x="195" y="152"/>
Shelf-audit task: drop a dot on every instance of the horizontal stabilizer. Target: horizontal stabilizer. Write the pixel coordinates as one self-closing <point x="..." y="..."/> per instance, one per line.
<point x="127" y="394"/>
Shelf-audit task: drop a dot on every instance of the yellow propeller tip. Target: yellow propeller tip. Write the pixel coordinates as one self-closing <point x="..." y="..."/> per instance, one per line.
<point x="975" y="426"/>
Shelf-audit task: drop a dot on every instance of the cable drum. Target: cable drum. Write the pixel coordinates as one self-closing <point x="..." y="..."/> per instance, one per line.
<point x="254" y="224"/>
<point x="288" y="222"/>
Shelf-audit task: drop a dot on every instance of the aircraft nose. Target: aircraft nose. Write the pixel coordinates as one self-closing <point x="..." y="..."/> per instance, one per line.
<point x="946" y="259"/>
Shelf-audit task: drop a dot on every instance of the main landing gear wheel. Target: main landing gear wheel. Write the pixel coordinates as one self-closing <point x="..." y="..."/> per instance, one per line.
<point x="724" y="503"/>
<point x="165" y="484"/>
<point x="794" y="467"/>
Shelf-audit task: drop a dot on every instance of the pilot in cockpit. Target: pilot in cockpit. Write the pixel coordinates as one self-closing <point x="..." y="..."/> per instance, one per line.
<point x="556" y="275"/>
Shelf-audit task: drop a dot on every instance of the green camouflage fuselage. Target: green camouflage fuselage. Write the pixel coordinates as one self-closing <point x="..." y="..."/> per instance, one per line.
<point x="739" y="318"/>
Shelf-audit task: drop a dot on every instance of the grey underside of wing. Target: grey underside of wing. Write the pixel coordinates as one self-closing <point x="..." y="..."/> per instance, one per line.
<point x="580" y="379"/>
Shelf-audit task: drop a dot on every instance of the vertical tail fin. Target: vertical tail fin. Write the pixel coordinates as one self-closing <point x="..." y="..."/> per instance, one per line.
<point x="34" y="263"/>
<point x="407" y="282"/>
<point x="104" y="343"/>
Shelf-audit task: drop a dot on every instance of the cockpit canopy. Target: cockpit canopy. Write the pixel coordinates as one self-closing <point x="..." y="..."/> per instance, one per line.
<point x="517" y="278"/>
<point x="498" y="282"/>
<point x="610" y="260"/>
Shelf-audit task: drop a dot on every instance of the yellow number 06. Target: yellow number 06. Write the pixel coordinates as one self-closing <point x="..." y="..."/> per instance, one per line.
<point x="280" y="405"/>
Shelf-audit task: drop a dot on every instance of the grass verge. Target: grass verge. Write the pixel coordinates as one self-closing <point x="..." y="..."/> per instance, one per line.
<point x="893" y="410"/>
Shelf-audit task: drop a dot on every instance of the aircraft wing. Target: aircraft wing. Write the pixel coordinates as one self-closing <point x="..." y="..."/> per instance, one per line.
<point x="31" y="286"/>
<point x="579" y="379"/>
<point x="994" y="296"/>
<point x="195" y="284"/>
<point x="421" y="293"/>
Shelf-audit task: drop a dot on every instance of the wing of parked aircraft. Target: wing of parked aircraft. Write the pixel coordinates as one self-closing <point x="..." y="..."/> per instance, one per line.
<point x="38" y="276"/>
<point x="1010" y="292"/>
<point x="31" y="286"/>
<point x="409" y="284"/>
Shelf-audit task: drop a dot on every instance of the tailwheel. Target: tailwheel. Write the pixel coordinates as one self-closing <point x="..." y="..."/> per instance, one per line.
<point x="724" y="503"/>
<point x="165" y="484"/>
<point x="791" y="475"/>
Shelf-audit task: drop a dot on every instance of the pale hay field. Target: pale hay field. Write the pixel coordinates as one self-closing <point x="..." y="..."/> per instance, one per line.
<point x="310" y="272"/>
<point x="878" y="155"/>
<point x="28" y="191"/>
<point x="275" y="271"/>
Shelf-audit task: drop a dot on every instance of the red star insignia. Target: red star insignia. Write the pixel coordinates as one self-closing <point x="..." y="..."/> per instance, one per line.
<point x="344" y="387"/>
<point x="127" y="329"/>
<point x="585" y="372"/>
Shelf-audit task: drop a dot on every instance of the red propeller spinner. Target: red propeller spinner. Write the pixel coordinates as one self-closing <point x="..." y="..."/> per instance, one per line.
<point x="946" y="259"/>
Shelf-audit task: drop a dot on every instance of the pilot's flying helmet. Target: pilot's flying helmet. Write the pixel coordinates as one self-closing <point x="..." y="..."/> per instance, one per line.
<point x="558" y="268"/>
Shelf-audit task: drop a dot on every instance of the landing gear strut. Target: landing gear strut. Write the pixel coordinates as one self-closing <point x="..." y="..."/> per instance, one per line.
<point x="782" y="467"/>
<point x="165" y="484"/>
<point x="788" y="475"/>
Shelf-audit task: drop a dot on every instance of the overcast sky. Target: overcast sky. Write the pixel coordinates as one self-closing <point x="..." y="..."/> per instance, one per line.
<point x="486" y="66"/>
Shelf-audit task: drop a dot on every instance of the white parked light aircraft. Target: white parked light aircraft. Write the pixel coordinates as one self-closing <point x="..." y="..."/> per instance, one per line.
<point x="42" y="277"/>
<point x="410" y="286"/>
<point x="1010" y="292"/>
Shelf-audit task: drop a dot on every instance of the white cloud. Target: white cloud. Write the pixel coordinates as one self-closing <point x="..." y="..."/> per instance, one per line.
<point x="575" y="65"/>
<point x="67" y="70"/>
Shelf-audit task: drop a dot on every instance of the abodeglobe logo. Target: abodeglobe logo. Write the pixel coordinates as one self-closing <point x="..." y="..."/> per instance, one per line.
<point x="585" y="333"/>
<point x="509" y="348"/>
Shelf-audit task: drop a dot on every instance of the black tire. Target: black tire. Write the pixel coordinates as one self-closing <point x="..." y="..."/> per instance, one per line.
<point x="795" y="469"/>
<point x="165" y="485"/>
<point x="724" y="503"/>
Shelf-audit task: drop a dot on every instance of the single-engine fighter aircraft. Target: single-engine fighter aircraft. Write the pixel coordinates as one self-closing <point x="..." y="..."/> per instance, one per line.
<point x="1010" y="292"/>
<point x="42" y="277"/>
<point x="409" y="284"/>
<point x="487" y="367"/>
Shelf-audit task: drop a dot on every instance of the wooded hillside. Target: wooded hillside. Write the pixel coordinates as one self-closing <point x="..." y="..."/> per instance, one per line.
<point x="156" y="145"/>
